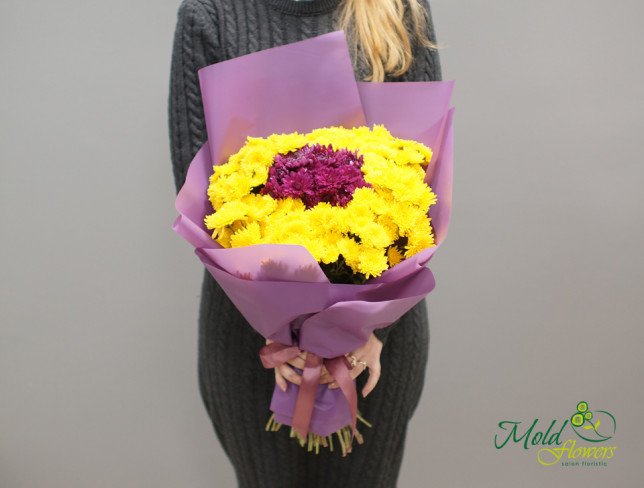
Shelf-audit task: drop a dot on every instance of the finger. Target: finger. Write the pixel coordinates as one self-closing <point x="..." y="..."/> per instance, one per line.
<point x="326" y="378"/>
<point x="372" y="346"/>
<point x="372" y="381"/>
<point x="289" y="374"/>
<point x="361" y="351"/>
<point x="357" y="371"/>
<point x="298" y="362"/>
<point x="353" y="372"/>
<point x="279" y="379"/>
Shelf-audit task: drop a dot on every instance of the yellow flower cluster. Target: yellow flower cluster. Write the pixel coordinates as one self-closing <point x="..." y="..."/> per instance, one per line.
<point x="367" y="232"/>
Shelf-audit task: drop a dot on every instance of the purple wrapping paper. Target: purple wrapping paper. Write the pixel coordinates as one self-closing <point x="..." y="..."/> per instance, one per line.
<point x="280" y="289"/>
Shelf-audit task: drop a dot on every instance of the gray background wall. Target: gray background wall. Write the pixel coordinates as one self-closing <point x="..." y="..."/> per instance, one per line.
<point x="538" y="303"/>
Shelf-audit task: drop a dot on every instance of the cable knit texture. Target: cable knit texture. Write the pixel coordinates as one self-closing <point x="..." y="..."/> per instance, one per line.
<point x="235" y="388"/>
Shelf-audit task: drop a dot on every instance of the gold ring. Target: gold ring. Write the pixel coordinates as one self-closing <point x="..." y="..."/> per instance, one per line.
<point x="364" y="364"/>
<point x="353" y="360"/>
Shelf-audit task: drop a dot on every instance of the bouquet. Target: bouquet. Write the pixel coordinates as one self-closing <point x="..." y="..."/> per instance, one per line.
<point x="316" y="204"/>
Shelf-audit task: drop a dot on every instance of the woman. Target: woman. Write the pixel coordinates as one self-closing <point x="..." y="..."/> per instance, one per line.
<point x="391" y="40"/>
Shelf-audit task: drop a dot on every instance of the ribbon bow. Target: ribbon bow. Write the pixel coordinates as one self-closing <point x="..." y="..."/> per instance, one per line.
<point x="274" y="354"/>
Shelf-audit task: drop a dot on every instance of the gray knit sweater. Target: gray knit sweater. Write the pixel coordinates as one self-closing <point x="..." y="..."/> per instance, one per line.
<point x="236" y="390"/>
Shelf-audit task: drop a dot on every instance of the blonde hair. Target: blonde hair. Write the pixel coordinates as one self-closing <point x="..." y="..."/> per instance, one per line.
<point x="377" y="33"/>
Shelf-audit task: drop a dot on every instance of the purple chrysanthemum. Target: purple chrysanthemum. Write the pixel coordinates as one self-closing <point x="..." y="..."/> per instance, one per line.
<point x="316" y="173"/>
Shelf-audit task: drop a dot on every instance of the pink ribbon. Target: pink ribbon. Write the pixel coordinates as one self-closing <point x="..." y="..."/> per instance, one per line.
<point x="274" y="354"/>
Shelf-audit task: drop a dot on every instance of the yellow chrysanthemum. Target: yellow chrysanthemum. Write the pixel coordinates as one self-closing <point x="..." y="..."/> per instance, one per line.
<point x="259" y="206"/>
<point x="227" y="214"/>
<point x="247" y="236"/>
<point x="419" y="237"/>
<point x="222" y="236"/>
<point x="373" y="233"/>
<point x="372" y="261"/>
<point x="327" y="218"/>
<point x="350" y="250"/>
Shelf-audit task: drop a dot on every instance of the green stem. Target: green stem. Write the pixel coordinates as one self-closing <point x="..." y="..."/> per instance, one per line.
<point x="313" y="442"/>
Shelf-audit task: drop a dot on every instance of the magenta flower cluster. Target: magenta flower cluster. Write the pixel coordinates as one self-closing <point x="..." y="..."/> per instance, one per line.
<point x="316" y="173"/>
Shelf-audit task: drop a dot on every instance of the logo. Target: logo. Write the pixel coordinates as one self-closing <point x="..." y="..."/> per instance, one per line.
<point x="585" y="438"/>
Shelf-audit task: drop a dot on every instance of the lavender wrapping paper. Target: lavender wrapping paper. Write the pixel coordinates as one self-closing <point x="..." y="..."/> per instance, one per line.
<point x="280" y="289"/>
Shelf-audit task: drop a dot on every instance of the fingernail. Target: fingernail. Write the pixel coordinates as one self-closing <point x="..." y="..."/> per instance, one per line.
<point x="283" y="387"/>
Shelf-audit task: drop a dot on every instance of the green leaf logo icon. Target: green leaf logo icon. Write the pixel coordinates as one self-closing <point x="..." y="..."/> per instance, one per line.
<point x="582" y="423"/>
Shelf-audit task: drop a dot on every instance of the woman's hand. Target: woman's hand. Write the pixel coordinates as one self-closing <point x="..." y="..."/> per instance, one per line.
<point x="369" y="354"/>
<point x="284" y="372"/>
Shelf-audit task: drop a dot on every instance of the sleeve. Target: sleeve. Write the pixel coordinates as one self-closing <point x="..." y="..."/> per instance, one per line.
<point x="426" y="64"/>
<point x="431" y="63"/>
<point x="195" y="45"/>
